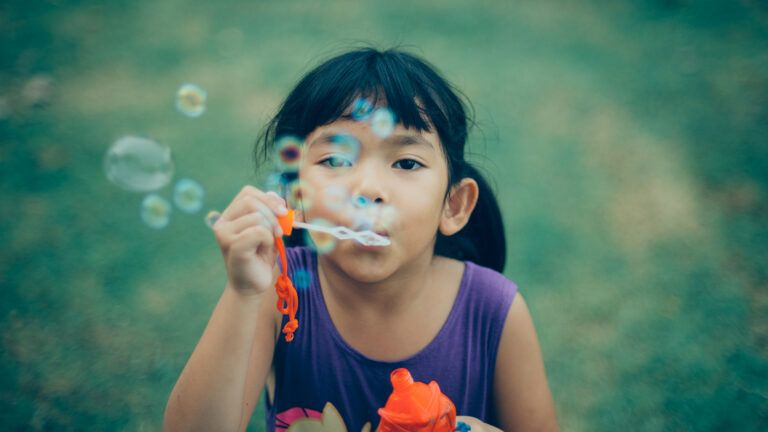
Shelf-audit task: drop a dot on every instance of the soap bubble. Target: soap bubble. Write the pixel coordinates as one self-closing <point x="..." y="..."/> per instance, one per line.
<point x="300" y="195"/>
<point x="361" y="222"/>
<point x="361" y="109"/>
<point x="211" y="218"/>
<point x="155" y="211"/>
<point x="335" y="197"/>
<point x="320" y="241"/>
<point x="383" y="122"/>
<point x="190" y="100"/>
<point x="138" y="164"/>
<point x="387" y="216"/>
<point x="276" y="182"/>
<point x="188" y="195"/>
<point x="302" y="279"/>
<point x="360" y="201"/>
<point x="288" y="153"/>
<point x="346" y="145"/>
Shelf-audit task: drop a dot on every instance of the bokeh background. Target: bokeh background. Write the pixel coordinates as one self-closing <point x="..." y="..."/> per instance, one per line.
<point x="627" y="140"/>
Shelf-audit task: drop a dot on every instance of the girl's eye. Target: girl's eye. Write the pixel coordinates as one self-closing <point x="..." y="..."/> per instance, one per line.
<point x="336" y="162"/>
<point x="408" y="164"/>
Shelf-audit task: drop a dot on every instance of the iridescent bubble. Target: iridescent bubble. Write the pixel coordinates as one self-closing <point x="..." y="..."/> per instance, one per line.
<point x="387" y="216"/>
<point x="277" y="182"/>
<point x="155" y="211"/>
<point x="300" y="195"/>
<point x="361" y="201"/>
<point x="288" y="153"/>
<point x="361" y="109"/>
<point x="346" y="145"/>
<point x="302" y="279"/>
<point x="211" y="218"/>
<point x="190" y="100"/>
<point x="383" y="122"/>
<point x="138" y="164"/>
<point x="319" y="241"/>
<point x="335" y="197"/>
<point x="361" y="221"/>
<point x="188" y="195"/>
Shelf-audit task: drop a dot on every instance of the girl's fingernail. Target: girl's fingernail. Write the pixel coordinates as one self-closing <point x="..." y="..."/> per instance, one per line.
<point x="281" y="210"/>
<point x="279" y="231"/>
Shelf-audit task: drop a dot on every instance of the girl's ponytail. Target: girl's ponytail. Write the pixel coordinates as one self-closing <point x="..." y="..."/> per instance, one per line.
<point x="482" y="239"/>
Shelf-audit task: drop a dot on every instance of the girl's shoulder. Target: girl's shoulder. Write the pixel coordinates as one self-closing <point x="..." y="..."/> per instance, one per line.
<point x="486" y="282"/>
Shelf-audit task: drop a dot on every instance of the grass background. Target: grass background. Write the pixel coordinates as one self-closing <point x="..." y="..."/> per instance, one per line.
<point x="628" y="141"/>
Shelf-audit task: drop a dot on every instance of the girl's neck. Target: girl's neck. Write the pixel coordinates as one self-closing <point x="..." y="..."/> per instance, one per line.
<point x="397" y="293"/>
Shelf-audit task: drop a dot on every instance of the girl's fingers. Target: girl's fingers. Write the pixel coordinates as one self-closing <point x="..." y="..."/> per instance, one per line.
<point x="252" y="219"/>
<point x="251" y="199"/>
<point x="252" y="238"/>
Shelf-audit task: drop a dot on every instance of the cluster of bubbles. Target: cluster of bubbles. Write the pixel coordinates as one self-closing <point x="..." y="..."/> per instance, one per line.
<point x="358" y="212"/>
<point x="382" y="119"/>
<point x="140" y="164"/>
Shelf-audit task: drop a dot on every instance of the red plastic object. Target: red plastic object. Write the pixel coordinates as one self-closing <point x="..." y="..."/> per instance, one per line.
<point x="287" y="297"/>
<point x="416" y="407"/>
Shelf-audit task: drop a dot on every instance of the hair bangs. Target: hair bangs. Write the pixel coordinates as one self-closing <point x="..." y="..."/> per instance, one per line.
<point x="329" y="92"/>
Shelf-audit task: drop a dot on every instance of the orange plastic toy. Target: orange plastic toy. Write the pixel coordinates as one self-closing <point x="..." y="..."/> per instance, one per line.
<point x="288" y="299"/>
<point x="416" y="407"/>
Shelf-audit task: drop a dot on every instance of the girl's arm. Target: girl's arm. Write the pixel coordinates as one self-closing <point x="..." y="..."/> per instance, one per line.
<point x="219" y="386"/>
<point x="521" y="391"/>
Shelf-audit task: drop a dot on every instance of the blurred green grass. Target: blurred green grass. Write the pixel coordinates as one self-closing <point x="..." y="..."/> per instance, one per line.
<point x="627" y="141"/>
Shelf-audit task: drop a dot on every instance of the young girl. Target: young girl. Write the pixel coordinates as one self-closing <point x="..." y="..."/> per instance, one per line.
<point x="432" y="301"/>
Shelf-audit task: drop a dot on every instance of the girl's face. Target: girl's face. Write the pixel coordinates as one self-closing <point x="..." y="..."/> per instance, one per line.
<point x="404" y="173"/>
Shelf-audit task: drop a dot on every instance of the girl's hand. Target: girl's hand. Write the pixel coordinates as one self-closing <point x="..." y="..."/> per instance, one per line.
<point x="476" y="425"/>
<point x="246" y="234"/>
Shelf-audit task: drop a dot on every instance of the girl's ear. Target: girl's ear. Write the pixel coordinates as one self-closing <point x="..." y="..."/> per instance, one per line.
<point x="458" y="206"/>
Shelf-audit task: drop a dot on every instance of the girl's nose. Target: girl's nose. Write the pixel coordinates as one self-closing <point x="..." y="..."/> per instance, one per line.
<point x="368" y="182"/>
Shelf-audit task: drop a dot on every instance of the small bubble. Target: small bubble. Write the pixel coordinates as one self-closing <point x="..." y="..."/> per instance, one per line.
<point x="188" y="195"/>
<point x="138" y="164"/>
<point x="300" y="195"/>
<point x="360" y="201"/>
<point x="190" y="100"/>
<point x="346" y="146"/>
<point x="386" y="217"/>
<point x="319" y="241"/>
<point x="361" y="109"/>
<point x="383" y="122"/>
<point x="211" y="218"/>
<point x="155" y="211"/>
<point x="335" y="197"/>
<point x="275" y="182"/>
<point x="302" y="279"/>
<point x="288" y="153"/>
<point x="361" y="221"/>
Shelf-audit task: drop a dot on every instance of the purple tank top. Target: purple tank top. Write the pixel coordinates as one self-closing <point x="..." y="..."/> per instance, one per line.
<point x="319" y="376"/>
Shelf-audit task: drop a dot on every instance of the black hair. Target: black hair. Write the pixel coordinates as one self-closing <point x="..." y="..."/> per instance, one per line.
<point x="419" y="97"/>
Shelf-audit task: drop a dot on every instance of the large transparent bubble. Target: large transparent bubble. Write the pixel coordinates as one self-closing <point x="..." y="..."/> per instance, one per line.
<point x="138" y="164"/>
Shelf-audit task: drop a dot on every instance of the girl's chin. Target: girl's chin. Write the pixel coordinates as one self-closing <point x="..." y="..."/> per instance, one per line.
<point x="366" y="264"/>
